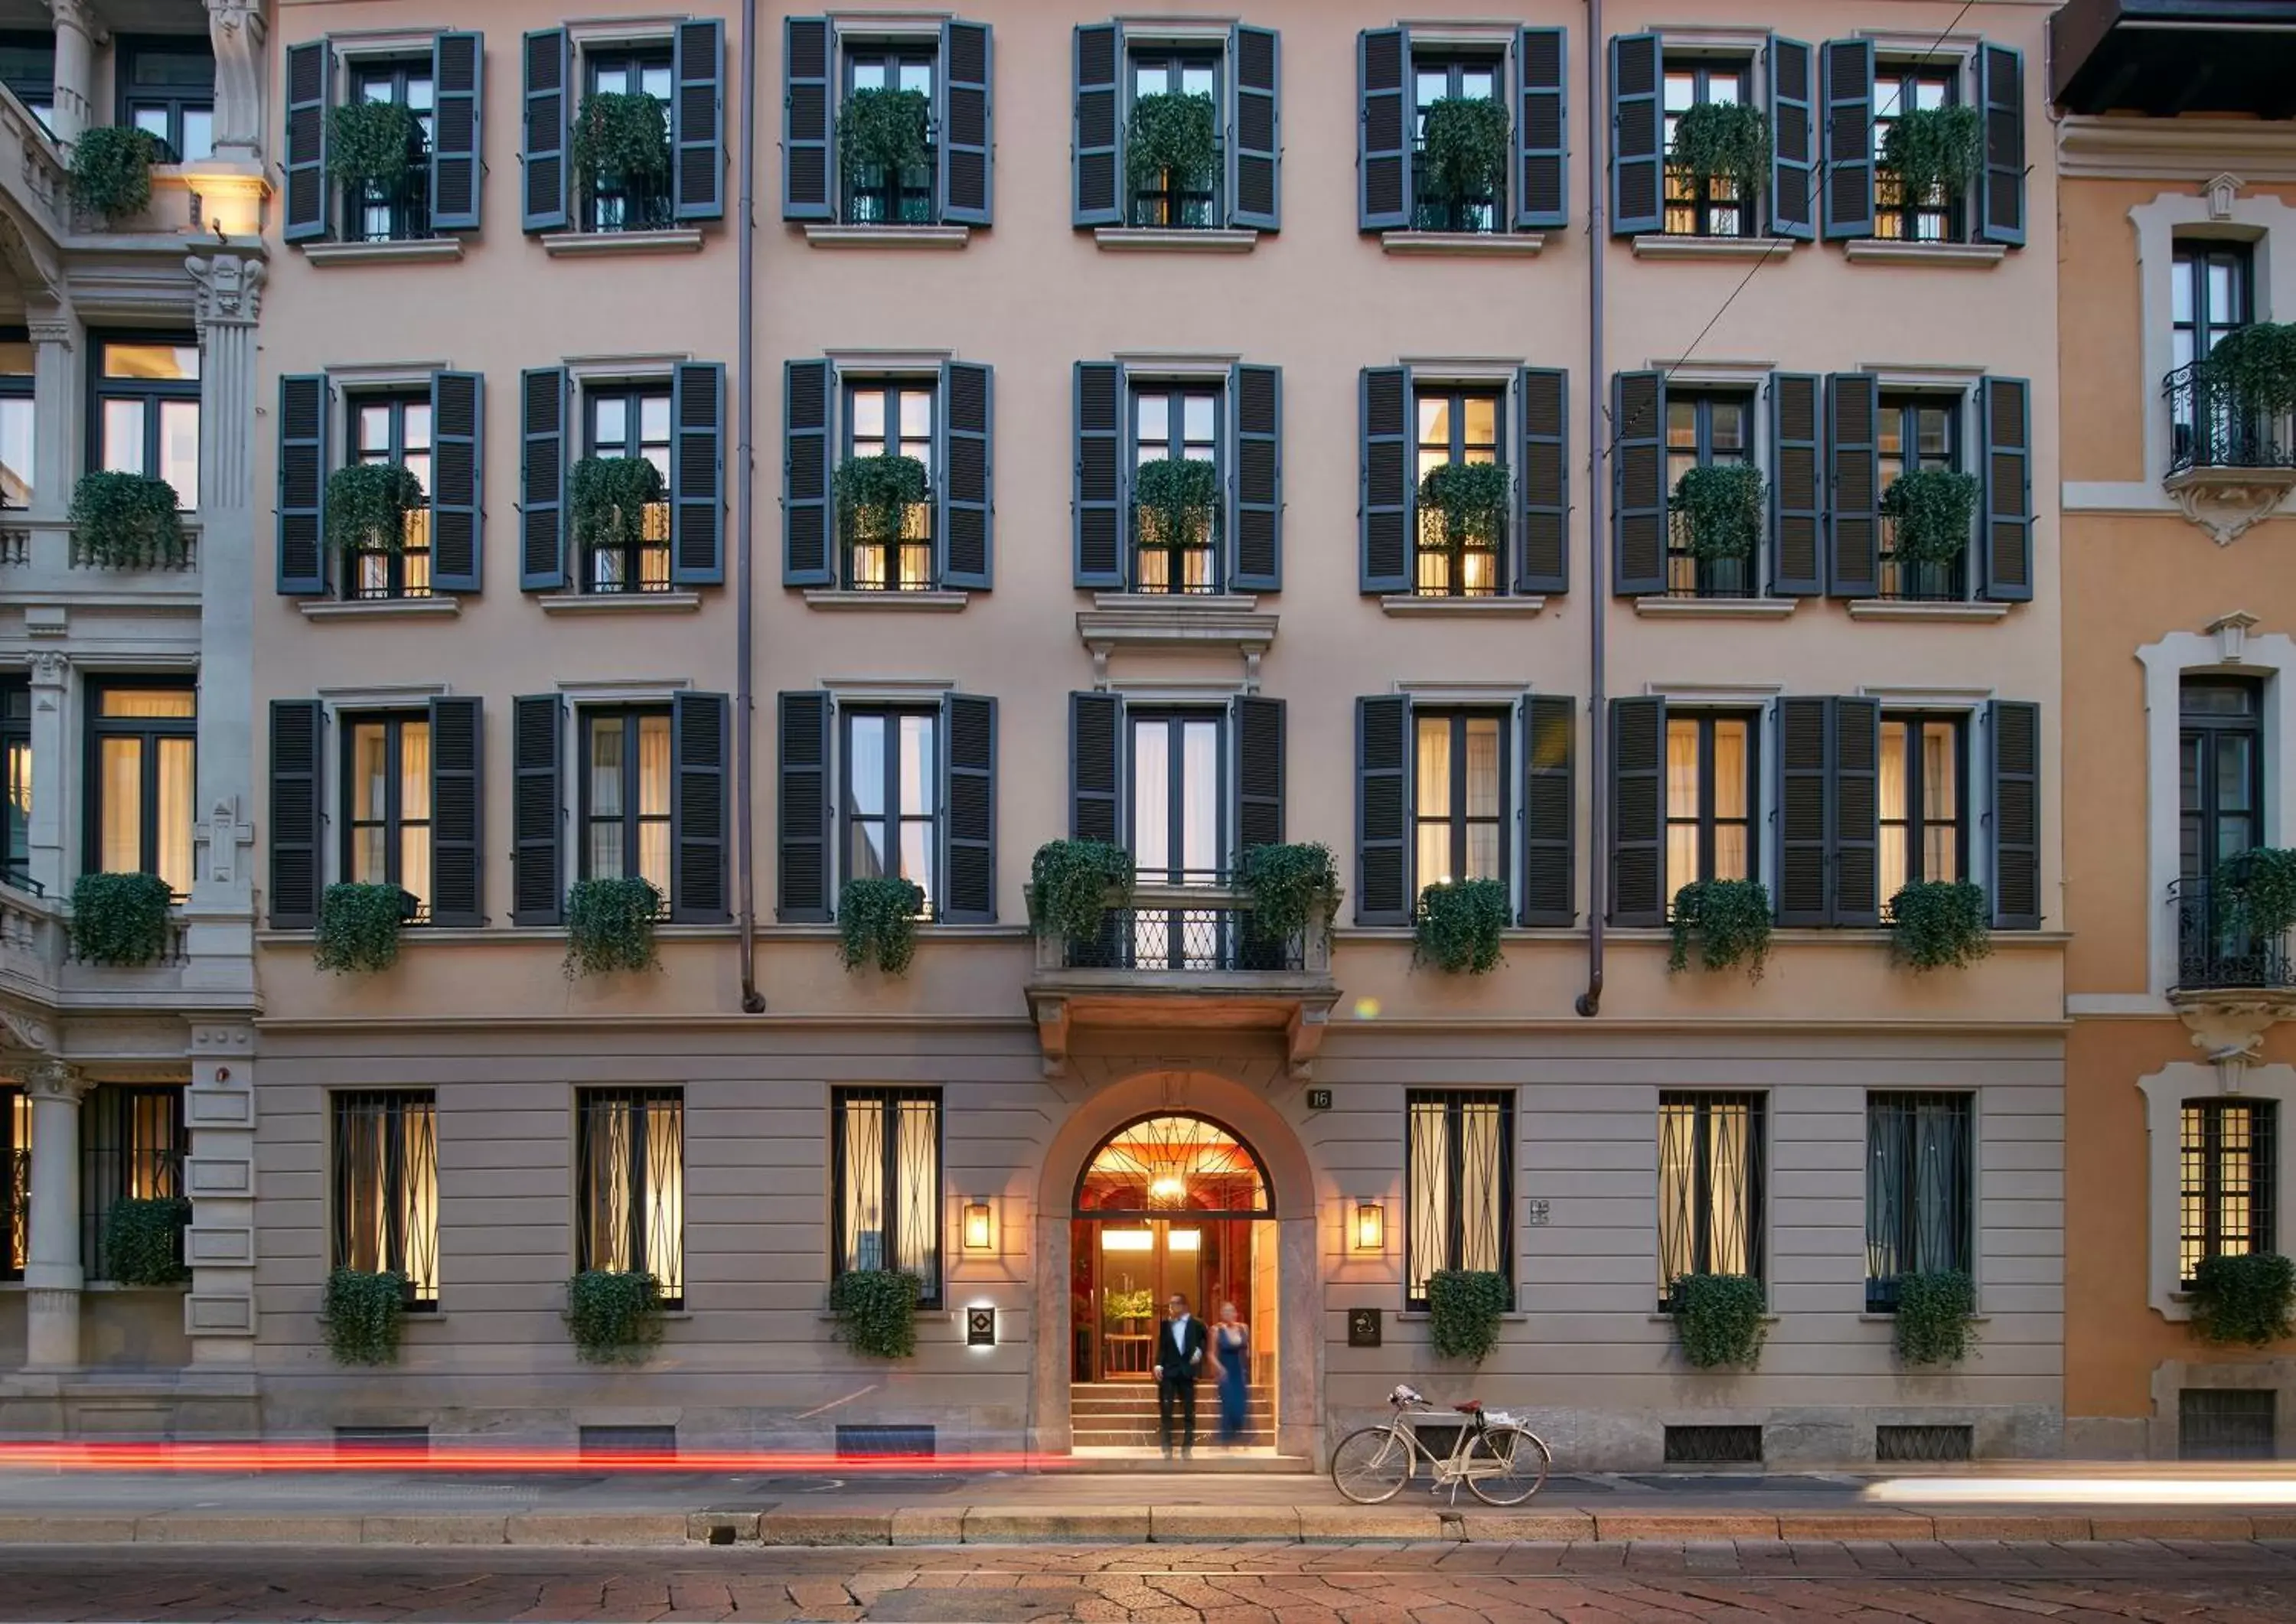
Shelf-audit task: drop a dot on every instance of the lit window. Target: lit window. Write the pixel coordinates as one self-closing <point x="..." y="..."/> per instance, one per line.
<point x="2226" y="1186"/>
<point x="387" y="1188"/>
<point x="1710" y="1187"/>
<point x="147" y="401"/>
<point x="145" y="737"/>
<point x="630" y="1209"/>
<point x="1460" y="1153"/>
<point x="887" y="1166"/>
<point x="626" y="814"/>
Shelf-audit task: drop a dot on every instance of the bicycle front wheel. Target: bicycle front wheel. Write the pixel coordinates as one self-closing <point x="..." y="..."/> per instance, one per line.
<point x="1371" y="1465"/>
<point x="1507" y="1466"/>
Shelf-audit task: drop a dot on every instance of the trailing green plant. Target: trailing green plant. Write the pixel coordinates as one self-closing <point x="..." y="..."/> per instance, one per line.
<point x="875" y="495"/>
<point x="1472" y="498"/>
<point x="1072" y="885"/>
<point x="1117" y="1306"/>
<point x="363" y="1313"/>
<point x="1463" y="1306"/>
<point x="1933" y="508"/>
<point x="2244" y="1300"/>
<point x="2260" y="888"/>
<point x="119" y="919"/>
<point x="621" y="139"/>
<point x="876" y="1311"/>
<point x="1718" y="1319"/>
<point x="1176" y="500"/>
<point x="609" y="498"/>
<point x="1724" y="141"/>
<point x="367" y="504"/>
<point x="371" y="142"/>
<point x="1936" y="924"/>
<point x="112" y="170"/>
<point x="1729" y="920"/>
<point x="1289" y="886"/>
<point x="1936" y="1316"/>
<point x="884" y="129"/>
<point x="1935" y="149"/>
<point x="143" y="1240"/>
<point x="126" y="521"/>
<point x="1457" y="925"/>
<point x="2252" y="369"/>
<point x="1465" y="148"/>
<point x="1724" y="509"/>
<point x="877" y="921"/>
<point x="610" y="926"/>
<point x="359" y="928"/>
<point x="614" y="1317"/>
<point x="1176" y="132"/>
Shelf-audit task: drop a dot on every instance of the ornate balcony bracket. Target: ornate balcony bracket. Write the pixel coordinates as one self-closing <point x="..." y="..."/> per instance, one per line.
<point x="2228" y="1024"/>
<point x="2225" y="502"/>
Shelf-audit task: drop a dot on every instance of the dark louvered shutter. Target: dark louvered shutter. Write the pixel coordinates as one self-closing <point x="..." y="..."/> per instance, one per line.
<point x="1255" y="150"/>
<point x="457" y="73"/>
<point x="303" y="413"/>
<point x="1794" y="141"/>
<point x="1542" y="194"/>
<point x="1857" y="830"/>
<point x="1796" y="503"/>
<point x="1255" y="394"/>
<point x="967" y="117"/>
<point x="1848" y="70"/>
<point x="805" y="114"/>
<point x="1383" y="130"/>
<point x="969" y="809"/>
<point x="968" y="396"/>
<point x="549" y="75"/>
<point x="543" y="409"/>
<point x="458" y="419"/>
<point x="1095" y="766"/>
<point x="537" y="889"/>
<point x="1638" y="812"/>
<point x="293" y="826"/>
<point x="457" y="813"/>
<point x="699" y="738"/>
<point x="1096" y="199"/>
<point x="1383" y="894"/>
<point x="1543" y="411"/>
<point x="1854" y="475"/>
<point x="802" y="876"/>
<point x="807" y="396"/>
<point x="2015" y="728"/>
<point x="697" y="474"/>
<point x="1385" y="404"/>
<point x="698" y="119"/>
<point x="1805" y="787"/>
<point x="310" y="76"/>
<point x="1258" y="772"/>
<point x="1638" y="515"/>
<point x="1637" y="136"/>
<point x="1550" y="727"/>
<point x="2001" y="184"/>
<point x="1099" y="502"/>
<point x="2006" y="529"/>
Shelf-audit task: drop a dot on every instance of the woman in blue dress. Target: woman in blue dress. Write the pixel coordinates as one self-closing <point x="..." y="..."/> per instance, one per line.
<point x="1232" y="1359"/>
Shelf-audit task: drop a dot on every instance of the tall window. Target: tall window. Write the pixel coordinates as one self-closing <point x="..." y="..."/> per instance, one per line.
<point x="1177" y="783"/>
<point x="630" y="1161"/>
<point x="394" y="429"/>
<point x="387" y="1187"/>
<point x="147" y="412"/>
<point x="387" y="805"/>
<point x="16" y="1181"/>
<point x="28" y="66"/>
<point x="1918" y="1190"/>
<point x="141" y="742"/>
<point x="1710" y="1187"/>
<point x="394" y="210"/>
<point x="630" y="421"/>
<point x="1461" y="806"/>
<point x="1929" y="217"/>
<point x="1922" y="808"/>
<point x="1710" y="799"/>
<point x="1697" y="207"/>
<point x="2220" y="772"/>
<point x="2211" y="292"/>
<point x="892" y="796"/>
<point x="1176" y="551"/>
<point x="1706" y="431"/>
<point x="887" y="1162"/>
<point x="166" y="89"/>
<point x="1457" y="425"/>
<point x="2227" y="1186"/>
<point x="873" y="194"/>
<point x="626" y="795"/>
<point x="626" y="204"/>
<point x="1917" y="431"/>
<point x="891" y="417"/>
<point x="1435" y="79"/>
<point x="16" y="420"/>
<point x="133" y="1143"/>
<point x="1460" y="1156"/>
<point x="16" y="762"/>
<point x="1165" y="197"/>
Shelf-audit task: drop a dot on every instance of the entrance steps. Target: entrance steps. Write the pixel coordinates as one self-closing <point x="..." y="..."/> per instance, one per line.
<point x="1122" y="1414"/>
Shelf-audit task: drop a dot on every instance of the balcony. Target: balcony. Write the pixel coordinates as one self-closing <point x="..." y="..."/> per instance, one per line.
<point x="38" y="560"/>
<point x="2227" y="467"/>
<point x="39" y="966"/>
<point x="2216" y="952"/>
<point x="2167" y="57"/>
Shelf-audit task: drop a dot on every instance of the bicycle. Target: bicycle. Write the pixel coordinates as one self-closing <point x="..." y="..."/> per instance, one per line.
<point x="1502" y="1461"/>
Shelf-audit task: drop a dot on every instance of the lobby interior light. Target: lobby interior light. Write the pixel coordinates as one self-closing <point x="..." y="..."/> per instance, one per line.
<point x="1369" y="1232"/>
<point x="980" y="1228"/>
<point x="1169" y="1190"/>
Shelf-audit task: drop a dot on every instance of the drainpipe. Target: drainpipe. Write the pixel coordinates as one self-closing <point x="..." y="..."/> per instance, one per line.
<point x="1599" y="429"/>
<point x="745" y="411"/>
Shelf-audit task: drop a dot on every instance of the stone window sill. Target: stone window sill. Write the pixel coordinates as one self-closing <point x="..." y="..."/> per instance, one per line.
<point x="1662" y="247"/>
<point x="1464" y="244"/>
<point x="1410" y="606"/>
<point x="620" y="603"/>
<point x="419" y="252"/>
<point x="601" y="244"/>
<point x="1891" y="609"/>
<point x="1887" y="250"/>
<point x="380" y="609"/>
<point x="1715" y="609"/>
<point x="921" y="603"/>
<point x="949" y="237"/>
<point x="1149" y="239"/>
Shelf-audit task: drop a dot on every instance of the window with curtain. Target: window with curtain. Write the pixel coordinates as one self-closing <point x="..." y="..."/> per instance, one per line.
<point x="147" y="411"/>
<point x="132" y="1145"/>
<point x="1706" y="429"/>
<point x="1710" y="799"/>
<point x="387" y="805"/>
<point x="892" y="796"/>
<point x="387" y="1188"/>
<point x="2226" y="1178"/>
<point x="1918" y="1190"/>
<point x="630" y="1203"/>
<point x="1918" y="433"/>
<point x="887" y="1165"/>
<point x="891" y="417"/>
<point x="1459" y="1156"/>
<point x="1456" y="425"/>
<point x="630" y="420"/>
<point x="16" y="760"/>
<point x="626" y="812"/>
<point x="394" y="429"/>
<point x="143" y="737"/>
<point x="1922" y="808"/>
<point x="1461" y="801"/>
<point x="16" y="1181"/>
<point x="1179" y="422"/>
<point x="1710" y="1187"/>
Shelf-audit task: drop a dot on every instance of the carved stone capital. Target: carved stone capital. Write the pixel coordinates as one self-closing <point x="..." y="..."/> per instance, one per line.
<point x="50" y="668"/>
<point x="81" y="15"/>
<point x="55" y="1079"/>
<point x="52" y="330"/>
<point x="230" y="290"/>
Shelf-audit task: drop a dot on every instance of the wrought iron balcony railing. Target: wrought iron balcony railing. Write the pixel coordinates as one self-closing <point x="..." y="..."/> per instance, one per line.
<point x="2210" y="429"/>
<point x="2215" y="949"/>
<point x="1187" y="929"/>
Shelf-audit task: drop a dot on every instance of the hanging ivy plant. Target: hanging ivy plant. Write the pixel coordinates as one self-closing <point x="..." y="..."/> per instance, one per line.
<point x="2260" y="888"/>
<point x="1724" y="141"/>
<point x="1718" y="1319"/>
<point x="1458" y="926"/>
<point x="120" y="919"/>
<point x="1175" y="132"/>
<point x="143" y="1240"/>
<point x="886" y="129"/>
<point x="367" y="504"/>
<point x="610" y="926"/>
<point x="1729" y="920"/>
<point x="875" y="496"/>
<point x="359" y="928"/>
<point x="1935" y="1317"/>
<point x="373" y="143"/>
<point x="1472" y="498"/>
<point x="1934" y="149"/>
<point x="876" y="1311"/>
<point x="1176" y="500"/>
<point x="621" y="139"/>
<point x="2252" y="369"/>
<point x="1289" y="887"/>
<point x="1724" y="509"/>
<point x="1937" y="924"/>
<point x="1465" y="148"/>
<point x="2244" y="1301"/>
<point x="614" y="1318"/>
<point x="610" y="497"/>
<point x="126" y="521"/>
<point x="1933" y="508"/>
<point x="1463" y="1306"/>
<point x="1072" y="885"/>
<point x="363" y="1313"/>
<point x="877" y="920"/>
<point x="112" y="170"/>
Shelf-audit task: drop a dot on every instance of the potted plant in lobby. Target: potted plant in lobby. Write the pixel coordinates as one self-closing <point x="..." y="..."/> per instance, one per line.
<point x="120" y="919"/>
<point x="143" y="1240"/>
<point x="876" y="1311"/>
<point x="1718" y="1319"/>
<point x="126" y="521"/>
<point x="358" y="927"/>
<point x="1463" y="1306"/>
<point x="367" y="504"/>
<point x="1723" y="141"/>
<point x="1935" y="925"/>
<point x="2244" y="1300"/>
<point x="877" y="922"/>
<point x="1936" y="1316"/>
<point x="1935" y="151"/>
<point x="1729" y="920"/>
<point x="1463" y="153"/>
<point x="1073" y="886"/>
<point x="112" y="170"/>
<point x="1458" y="924"/>
<point x="614" y="1318"/>
<point x="363" y="1313"/>
<point x="610" y="926"/>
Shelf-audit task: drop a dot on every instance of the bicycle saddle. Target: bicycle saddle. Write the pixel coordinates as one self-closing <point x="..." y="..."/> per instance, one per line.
<point x="1473" y="1406"/>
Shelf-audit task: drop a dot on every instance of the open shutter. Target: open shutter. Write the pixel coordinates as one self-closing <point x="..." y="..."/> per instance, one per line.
<point x="1542" y="409"/>
<point x="1256" y="398"/>
<point x="698" y="741"/>
<point x="305" y="403"/>
<point x="801" y="869"/>
<point x="1638" y="509"/>
<point x="1796" y="503"/>
<point x="457" y="481"/>
<point x="1383" y="130"/>
<point x="310" y="78"/>
<point x="1095" y="766"/>
<point x="1542" y="142"/>
<point x="457" y="73"/>
<point x="698" y="119"/>
<point x="1805" y="820"/>
<point x="1638" y="812"/>
<point x="457" y="813"/>
<point x="2007" y="525"/>
<point x="967" y="55"/>
<point x="296" y="727"/>
<point x="1385" y="397"/>
<point x="1384" y="893"/>
<point x="1255" y="146"/>
<point x="2001" y="184"/>
<point x="1095" y="184"/>
<point x="807" y="396"/>
<point x="1550" y="727"/>
<point x="1794" y="141"/>
<point x="1099" y="503"/>
<point x="805" y="193"/>
<point x="1637" y="136"/>
<point x="968" y="799"/>
<point x="697" y="474"/>
<point x="2015" y="726"/>
<point x="543" y="406"/>
<point x="968" y="400"/>
<point x="549" y="85"/>
<point x="537" y="886"/>
<point x="1258" y="772"/>
<point x="1854" y="473"/>
<point x="1848" y="70"/>
<point x="1856" y="832"/>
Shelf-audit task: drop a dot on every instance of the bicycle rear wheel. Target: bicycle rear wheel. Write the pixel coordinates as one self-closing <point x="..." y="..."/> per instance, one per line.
<point x="1507" y="1466"/>
<point x="1371" y="1465"/>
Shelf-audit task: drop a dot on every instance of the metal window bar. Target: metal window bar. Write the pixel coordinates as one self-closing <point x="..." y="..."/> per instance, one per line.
<point x="635" y="205"/>
<point x="2226" y="1195"/>
<point x="2214" y="948"/>
<point x="1917" y="1189"/>
<point x="1461" y="1176"/>
<point x="2209" y="428"/>
<point x="1709" y="1172"/>
<point x="133" y="1142"/>
<point x="887" y="1162"/>
<point x="1688" y="576"/>
<point x="15" y="1182"/>
<point x="395" y="210"/>
<point x="387" y="1188"/>
<point x="631" y="1211"/>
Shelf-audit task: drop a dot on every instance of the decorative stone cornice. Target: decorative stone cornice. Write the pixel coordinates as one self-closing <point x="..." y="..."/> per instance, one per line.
<point x="230" y="289"/>
<point x="2112" y="147"/>
<point x="23" y="1030"/>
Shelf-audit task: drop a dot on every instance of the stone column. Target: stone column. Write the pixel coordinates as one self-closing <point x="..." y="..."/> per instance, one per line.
<point x="237" y="30"/>
<point x="219" y="1313"/>
<point x="52" y="765"/>
<point x="52" y="1275"/>
<point x="77" y="33"/>
<point x="55" y="410"/>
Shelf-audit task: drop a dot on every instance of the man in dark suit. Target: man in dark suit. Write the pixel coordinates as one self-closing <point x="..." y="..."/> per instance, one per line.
<point x="1180" y="1342"/>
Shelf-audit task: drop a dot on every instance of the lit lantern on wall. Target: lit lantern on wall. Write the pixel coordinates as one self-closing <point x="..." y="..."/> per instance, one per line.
<point x="980" y="1228"/>
<point x="1369" y="1233"/>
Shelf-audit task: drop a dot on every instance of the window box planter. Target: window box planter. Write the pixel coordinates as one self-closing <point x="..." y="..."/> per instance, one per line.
<point x="112" y="172"/>
<point x="120" y="919"/>
<point x="1719" y="1319"/>
<point x="143" y="1240"/>
<point x="1729" y="920"/>
<point x="1458" y="927"/>
<point x="609" y="927"/>
<point x="613" y="1318"/>
<point x="128" y="521"/>
<point x="876" y="1311"/>
<point x="365" y="1315"/>
<point x="877" y="922"/>
<point x="358" y="927"/>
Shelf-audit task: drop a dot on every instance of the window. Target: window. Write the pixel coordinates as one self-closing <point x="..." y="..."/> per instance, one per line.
<point x="1457" y="425"/>
<point x="1460" y="1151"/>
<point x="132" y="1145"/>
<point x="2211" y="292"/>
<point x="1437" y="79"/>
<point x="1697" y="206"/>
<point x="1180" y="422"/>
<point x="394" y="429"/>
<point x="142" y="739"/>
<point x="631" y="204"/>
<point x="1933" y="216"/>
<point x="2220" y="773"/>
<point x="1917" y="431"/>
<point x="166" y="89"/>
<point x="16" y="759"/>
<point x="1460" y="800"/>
<point x="17" y="419"/>
<point x="892" y="796"/>
<point x="2226" y="1194"/>
<point x="630" y="421"/>
<point x="147" y="411"/>
<point x="1705" y="430"/>
<point x="1165" y="197"/>
<point x="387" y="1188"/>
<point x="387" y="805"/>
<point x="1710" y="1187"/>
<point x="890" y="417"/>
<point x="874" y="196"/>
<point x="1918" y="1190"/>
<point x="887" y="1164"/>
<point x="1177" y="778"/>
<point x="27" y="67"/>
<point x="16" y="1181"/>
<point x="1922" y="803"/>
<point x="626" y="795"/>
<point x="630" y="1164"/>
<point x="1710" y="799"/>
<point x="399" y="210"/>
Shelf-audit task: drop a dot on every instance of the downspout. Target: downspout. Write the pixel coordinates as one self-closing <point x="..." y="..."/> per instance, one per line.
<point x="1599" y="431"/>
<point x="745" y="411"/>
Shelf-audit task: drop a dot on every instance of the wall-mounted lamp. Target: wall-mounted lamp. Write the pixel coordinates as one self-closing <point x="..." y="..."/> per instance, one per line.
<point x="980" y="1228"/>
<point x="1369" y="1233"/>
